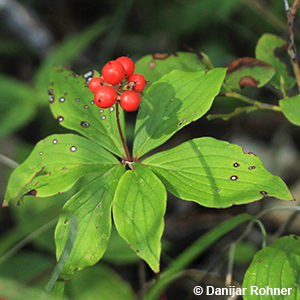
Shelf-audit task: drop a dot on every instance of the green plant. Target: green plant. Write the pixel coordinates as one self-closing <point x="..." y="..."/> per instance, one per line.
<point x="210" y="172"/>
<point x="133" y="185"/>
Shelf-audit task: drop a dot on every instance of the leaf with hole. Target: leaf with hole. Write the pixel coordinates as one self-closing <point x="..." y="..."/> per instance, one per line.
<point x="215" y="173"/>
<point x="153" y="67"/>
<point x="138" y="212"/>
<point x="171" y="103"/>
<point x="277" y="267"/>
<point x="291" y="109"/>
<point x="248" y="71"/>
<point x="55" y="164"/>
<point x="72" y="104"/>
<point x="91" y="208"/>
<point x="270" y="49"/>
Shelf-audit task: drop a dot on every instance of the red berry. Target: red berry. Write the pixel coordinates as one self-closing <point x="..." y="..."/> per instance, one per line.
<point x="95" y="83"/>
<point x="139" y="82"/>
<point x="113" y="72"/>
<point x="105" y="96"/>
<point x="127" y="64"/>
<point x="130" y="101"/>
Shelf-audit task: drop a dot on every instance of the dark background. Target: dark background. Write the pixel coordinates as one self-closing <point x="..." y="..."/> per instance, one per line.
<point x="35" y="34"/>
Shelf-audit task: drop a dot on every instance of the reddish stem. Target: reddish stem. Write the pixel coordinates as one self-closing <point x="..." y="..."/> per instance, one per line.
<point x="128" y="156"/>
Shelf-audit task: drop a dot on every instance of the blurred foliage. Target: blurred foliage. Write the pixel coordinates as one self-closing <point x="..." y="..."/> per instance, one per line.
<point x="85" y="35"/>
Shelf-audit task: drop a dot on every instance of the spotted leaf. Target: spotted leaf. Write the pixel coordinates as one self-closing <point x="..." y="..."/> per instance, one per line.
<point x="91" y="207"/>
<point x="276" y="268"/>
<point x="72" y="104"/>
<point x="173" y="102"/>
<point x="291" y="109"/>
<point x="248" y="71"/>
<point x="271" y="49"/>
<point x="138" y="211"/>
<point x="55" y="164"/>
<point x="215" y="173"/>
<point x="153" y="67"/>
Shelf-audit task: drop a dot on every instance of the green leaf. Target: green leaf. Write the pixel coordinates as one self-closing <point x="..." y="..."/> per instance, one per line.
<point x="215" y="173"/>
<point x="138" y="210"/>
<point x="118" y="250"/>
<point x="55" y="164"/>
<point x="153" y="67"/>
<point x="32" y="215"/>
<point x="291" y="109"/>
<point x="72" y="104"/>
<point x="275" y="266"/>
<point x="270" y="48"/>
<point x="173" y="102"/>
<point x="17" y="104"/>
<point x="248" y="71"/>
<point x="192" y="252"/>
<point x="243" y="253"/>
<point x="26" y="266"/>
<point x="67" y="51"/>
<point x="12" y="290"/>
<point x="54" y="284"/>
<point x="91" y="207"/>
<point x="99" y="283"/>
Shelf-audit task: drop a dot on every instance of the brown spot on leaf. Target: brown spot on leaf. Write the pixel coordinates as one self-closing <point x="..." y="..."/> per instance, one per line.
<point x="66" y="221"/>
<point x="295" y="237"/>
<point x="259" y="261"/>
<point x="245" y="62"/>
<point x="249" y="153"/>
<point x="163" y="55"/>
<point x="190" y="49"/>
<point x="31" y="193"/>
<point x="50" y="92"/>
<point x="236" y="164"/>
<point x="152" y="64"/>
<point x="248" y="81"/>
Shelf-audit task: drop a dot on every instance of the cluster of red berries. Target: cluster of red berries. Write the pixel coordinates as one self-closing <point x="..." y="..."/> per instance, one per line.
<point x="118" y="83"/>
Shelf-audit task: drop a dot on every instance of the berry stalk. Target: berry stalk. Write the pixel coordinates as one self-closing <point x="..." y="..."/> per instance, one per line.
<point x="128" y="156"/>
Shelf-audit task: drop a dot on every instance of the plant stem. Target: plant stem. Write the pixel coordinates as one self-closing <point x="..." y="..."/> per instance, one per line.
<point x="128" y="156"/>
<point x="259" y="7"/>
<point x="282" y="87"/>
<point x="8" y="162"/>
<point x="291" y="14"/>
<point x="258" y="104"/>
<point x="236" y="112"/>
